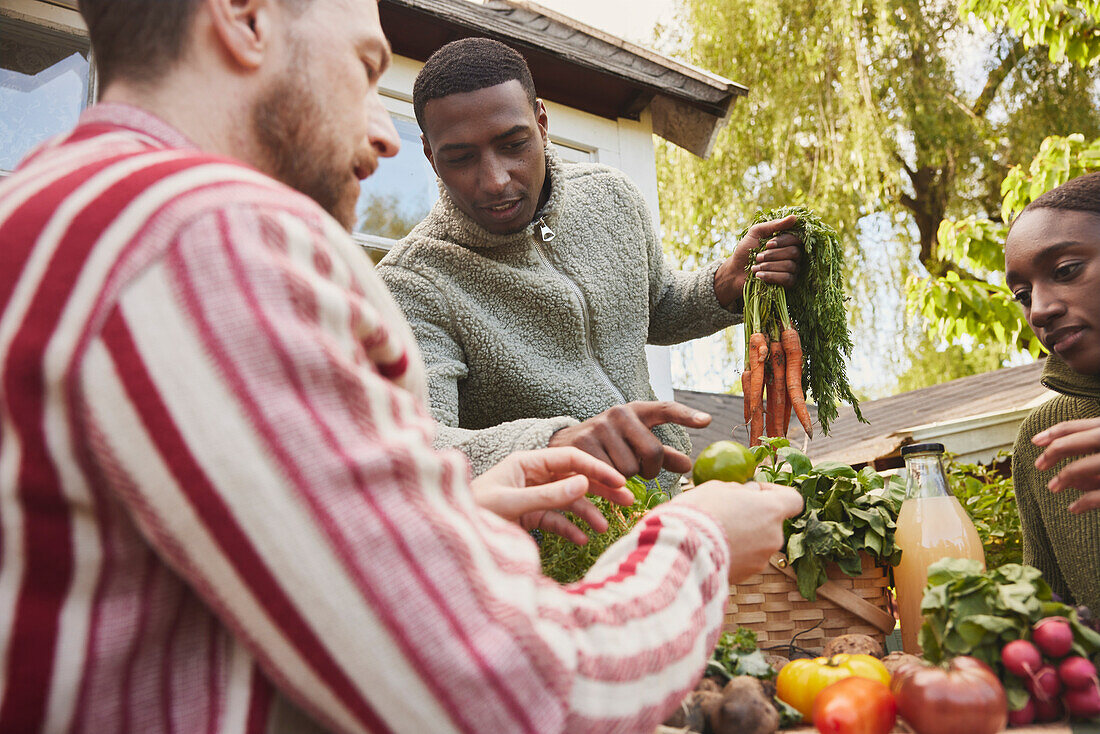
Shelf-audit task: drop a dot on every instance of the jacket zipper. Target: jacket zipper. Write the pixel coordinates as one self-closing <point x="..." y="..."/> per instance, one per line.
<point x="547" y="235"/>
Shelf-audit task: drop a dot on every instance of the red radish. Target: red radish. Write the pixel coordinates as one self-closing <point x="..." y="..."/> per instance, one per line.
<point x="1049" y="710"/>
<point x="1024" y="716"/>
<point x="1077" y="672"/>
<point x="1083" y="702"/>
<point x="1044" y="685"/>
<point x="1053" y="636"/>
<point x="1021" y="658"/>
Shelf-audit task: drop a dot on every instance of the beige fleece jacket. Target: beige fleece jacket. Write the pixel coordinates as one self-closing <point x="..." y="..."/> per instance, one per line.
<point x="527" y="333"/>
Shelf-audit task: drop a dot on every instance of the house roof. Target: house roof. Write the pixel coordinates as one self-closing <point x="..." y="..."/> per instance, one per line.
<point x="893" y="421"/>
<point x="575" y="64"/>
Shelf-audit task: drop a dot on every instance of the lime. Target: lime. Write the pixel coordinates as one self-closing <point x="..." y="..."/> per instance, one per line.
<point x="726" y="461"/>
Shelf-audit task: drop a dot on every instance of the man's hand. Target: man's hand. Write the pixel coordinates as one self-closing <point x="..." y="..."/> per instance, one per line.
<point x="778" y="264"/>
<point x="528" y="487"/>
<point x="751" y="515"/>
<point x="621" y="437"/>
<point x="1073" y="438"/>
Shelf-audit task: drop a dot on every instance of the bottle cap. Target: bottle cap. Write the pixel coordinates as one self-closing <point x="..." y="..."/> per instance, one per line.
<point x="922" y="448"/>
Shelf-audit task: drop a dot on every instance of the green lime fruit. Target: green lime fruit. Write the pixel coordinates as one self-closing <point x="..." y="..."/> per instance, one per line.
<point x="726" y="461"/>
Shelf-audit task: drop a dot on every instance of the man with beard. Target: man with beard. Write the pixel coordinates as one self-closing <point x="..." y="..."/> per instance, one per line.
<point x="534" y="284"/>
<point x="221" y="509"/>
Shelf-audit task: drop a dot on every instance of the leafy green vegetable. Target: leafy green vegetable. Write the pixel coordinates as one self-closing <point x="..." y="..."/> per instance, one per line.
<point x="987" y="496"/>
<point x="968" y="611"/>
<point x="565" y="562"/>
<point x="815" y="306"/>
<point x="846" y="512"/>
<point x="736" y="654"/>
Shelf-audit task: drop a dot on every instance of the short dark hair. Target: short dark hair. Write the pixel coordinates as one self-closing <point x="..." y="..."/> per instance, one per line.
<point x="140" y="39"/>
<point x="136" y="39"/>
<point x="468" y="65"/>
<point x="1078" y="194"/>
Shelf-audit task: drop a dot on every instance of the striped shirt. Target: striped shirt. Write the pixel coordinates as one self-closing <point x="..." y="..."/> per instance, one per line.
<point x="219" y="503"/>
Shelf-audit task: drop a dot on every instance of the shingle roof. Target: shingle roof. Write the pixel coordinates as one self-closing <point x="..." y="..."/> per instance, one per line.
<point x="575" y="64"/>
<point x="854" y="442"/>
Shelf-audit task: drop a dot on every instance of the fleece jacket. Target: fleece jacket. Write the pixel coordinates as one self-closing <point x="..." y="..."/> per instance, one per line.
<point x="527" y="333"/>
<point x="1064" y="546"/>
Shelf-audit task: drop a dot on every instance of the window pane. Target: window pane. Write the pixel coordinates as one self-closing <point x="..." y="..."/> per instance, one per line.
<point x="401" y="192"/>
<point x="43" y="88"/>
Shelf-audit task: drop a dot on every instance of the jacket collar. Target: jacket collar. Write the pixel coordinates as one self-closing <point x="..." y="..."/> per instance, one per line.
<point x="447" y="222"/>
<point x="1058" y="376"/>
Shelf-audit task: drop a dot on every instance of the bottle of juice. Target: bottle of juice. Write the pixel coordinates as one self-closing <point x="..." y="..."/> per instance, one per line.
<point x="932" y="525"/>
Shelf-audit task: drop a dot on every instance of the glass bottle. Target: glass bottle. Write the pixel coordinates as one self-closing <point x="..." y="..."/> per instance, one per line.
<point x="932" y="525"/>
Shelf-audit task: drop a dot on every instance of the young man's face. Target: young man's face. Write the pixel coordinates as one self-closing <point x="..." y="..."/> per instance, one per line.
<point x="1052" y="264"/>
<point x="489" y="149"/>
<point x="321" y="121"/>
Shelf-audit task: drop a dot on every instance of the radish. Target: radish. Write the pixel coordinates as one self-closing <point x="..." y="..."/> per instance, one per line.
<point x="1024" y="716"/>
<point x="1044" y="685"/>
<point x="1050" y="710"/>
<point x="1083" y="702"/>
<point x="1077" y="672"/>
<point x="1053" y="636"/>
<point x="1021" y="658"/>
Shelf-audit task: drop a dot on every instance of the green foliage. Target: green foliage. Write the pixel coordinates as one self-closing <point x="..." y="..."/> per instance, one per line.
<point x="858" y="109"/>
<point x="987" y="495"/>
<point x="1070" y="29"/>
<point x="737" y="654"/>
<point x="846" y="512"/>
<point x="816" y="308"/>
<point x="932" y="363"/>
<point x="566" y="562"/>
<point x="984" y="309"/>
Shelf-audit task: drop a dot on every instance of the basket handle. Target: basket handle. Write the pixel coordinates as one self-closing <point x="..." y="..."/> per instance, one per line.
<point x="840" y="596"/>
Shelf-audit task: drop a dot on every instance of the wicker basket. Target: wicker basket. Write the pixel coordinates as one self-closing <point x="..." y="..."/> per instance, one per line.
<point x="770" y="604"/>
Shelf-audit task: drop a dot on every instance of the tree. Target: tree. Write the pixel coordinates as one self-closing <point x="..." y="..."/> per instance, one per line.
<point x="863" y="111"/>
<point x="981" y="307"/>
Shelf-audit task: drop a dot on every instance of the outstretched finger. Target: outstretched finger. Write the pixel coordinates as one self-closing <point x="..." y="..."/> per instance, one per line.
<point x="558" y="524"/>
<point x="656" y="412"/>
<point x="1083" y="474"/>
<point x="1065" y="428"/>
<point x="1068" y="445"/>
<point x="1088" y="502"/>
<point x="675" y="461"/>
<point x="548" y="464"/>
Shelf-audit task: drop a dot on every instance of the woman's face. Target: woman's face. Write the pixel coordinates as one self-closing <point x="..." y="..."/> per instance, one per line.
<point x="1052" y="264"/>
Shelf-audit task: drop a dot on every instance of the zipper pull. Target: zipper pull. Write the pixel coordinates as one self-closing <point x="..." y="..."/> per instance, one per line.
<point x="545" y="232"/>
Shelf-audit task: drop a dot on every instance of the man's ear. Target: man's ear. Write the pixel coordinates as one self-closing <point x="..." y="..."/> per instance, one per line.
<point x="543" y="121"/>
<point x="244" y="27"/>
<point x="428" y="151"/>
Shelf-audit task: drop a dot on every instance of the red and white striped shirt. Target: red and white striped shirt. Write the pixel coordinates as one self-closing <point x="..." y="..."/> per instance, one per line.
<point x="220" y="506"/>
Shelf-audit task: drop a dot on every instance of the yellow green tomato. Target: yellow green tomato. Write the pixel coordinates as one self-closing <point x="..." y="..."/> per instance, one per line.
<point x="726" y="461"/>
<point x="800" y="681"/>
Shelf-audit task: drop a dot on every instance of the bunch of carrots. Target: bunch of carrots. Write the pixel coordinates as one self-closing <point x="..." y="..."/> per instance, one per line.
<point x="773" y="364"/>
<point x="787" y="348"/>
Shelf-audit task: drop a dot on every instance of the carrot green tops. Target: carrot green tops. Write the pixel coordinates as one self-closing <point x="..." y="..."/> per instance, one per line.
<point x="1064" y="546"/>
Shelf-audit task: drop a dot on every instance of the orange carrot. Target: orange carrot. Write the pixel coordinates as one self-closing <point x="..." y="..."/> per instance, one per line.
<point x="771" y="425"/>
<point x="792" y="345"/>
<point x="745" y="394"/>
<point x="780" y="407"/>
<point x="758" y="354"/>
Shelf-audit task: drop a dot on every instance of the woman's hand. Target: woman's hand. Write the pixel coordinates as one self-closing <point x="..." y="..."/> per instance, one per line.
<point x="532" y="487"/>
<point x="1073" y="438"/>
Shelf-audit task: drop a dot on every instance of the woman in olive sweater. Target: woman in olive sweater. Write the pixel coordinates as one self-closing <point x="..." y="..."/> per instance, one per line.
<point x="1052" y="263"/>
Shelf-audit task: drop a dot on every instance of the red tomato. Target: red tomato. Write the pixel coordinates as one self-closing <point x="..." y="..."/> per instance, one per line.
<point x="855" y="706"/>
<point x="964" y="698"/>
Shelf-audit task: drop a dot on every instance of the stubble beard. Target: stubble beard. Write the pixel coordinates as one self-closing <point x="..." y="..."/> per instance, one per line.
<point x="289" y="124"/>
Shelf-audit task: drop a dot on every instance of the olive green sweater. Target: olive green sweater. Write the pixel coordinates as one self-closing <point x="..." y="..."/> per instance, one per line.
<point x="1064" y="546"/>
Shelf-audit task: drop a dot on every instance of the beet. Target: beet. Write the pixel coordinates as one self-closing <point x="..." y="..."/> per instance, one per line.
<point x="1053" y="636"/>
<point x="1077" y="672"/>
<point x="1021" y="658"/>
